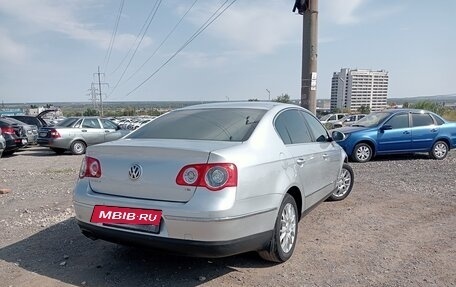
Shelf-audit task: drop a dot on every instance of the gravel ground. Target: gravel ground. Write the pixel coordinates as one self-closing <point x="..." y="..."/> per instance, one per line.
<point x="397" y="228"/>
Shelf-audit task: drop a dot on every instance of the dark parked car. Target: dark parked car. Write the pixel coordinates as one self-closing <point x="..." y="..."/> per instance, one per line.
<point x="14" y="135"/>
<point x="31" y="131"/>
<point x="35" y="120"/>
<point x="2" y="143"/>
<point x="31" y="120"/>
<point x="397" y="132"/>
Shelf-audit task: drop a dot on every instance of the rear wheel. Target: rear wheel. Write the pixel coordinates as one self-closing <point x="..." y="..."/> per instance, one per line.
<point x="362" y="153"/>
<point x="344" y="183"/>
<point x="78" y="147"/>
<point x="283" y="240"/>
<point x="439" y="150"/>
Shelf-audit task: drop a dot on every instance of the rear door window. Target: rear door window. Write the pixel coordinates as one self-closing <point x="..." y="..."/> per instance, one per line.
<point x="292" y="128"/>
<point x="420" y="120"/>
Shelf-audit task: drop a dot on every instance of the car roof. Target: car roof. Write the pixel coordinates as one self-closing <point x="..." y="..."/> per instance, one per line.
<point x="239" y="105"/>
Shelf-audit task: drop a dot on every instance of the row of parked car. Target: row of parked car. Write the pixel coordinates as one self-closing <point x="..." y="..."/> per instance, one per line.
<point x="362" y="136"/>
<point x="15" y="134"/>
<point x="20" y="131"/>
<point x="72" y="134"/>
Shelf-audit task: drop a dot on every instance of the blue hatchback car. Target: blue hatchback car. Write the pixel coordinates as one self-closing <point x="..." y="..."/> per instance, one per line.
<point x="397" y="132"/>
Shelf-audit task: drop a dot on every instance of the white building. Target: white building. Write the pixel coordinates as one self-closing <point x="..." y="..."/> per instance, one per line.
<point x="351" y="89"/>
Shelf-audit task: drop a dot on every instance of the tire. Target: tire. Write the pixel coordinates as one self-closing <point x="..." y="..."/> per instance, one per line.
<point x="344" y="183"/>
<point x="439" y="150"/>
<point x="286" y="226"/>
<point x="362" y="153"/>
<point x="58" y="150"/>
<point x="78" y="147"/>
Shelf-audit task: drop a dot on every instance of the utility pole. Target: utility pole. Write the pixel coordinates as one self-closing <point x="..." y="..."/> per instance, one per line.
<point x="309" y="10"/>
<point x="98" y="77"/>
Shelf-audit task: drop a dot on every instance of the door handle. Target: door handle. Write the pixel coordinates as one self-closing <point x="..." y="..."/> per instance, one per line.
<point x="106" y="131"/>
<point x="325" y="156"/>
<point x="406" y="132"/>
<point x="84" y="131"/>
<point x="433" y="130"/>
<point x="300" y="161"/>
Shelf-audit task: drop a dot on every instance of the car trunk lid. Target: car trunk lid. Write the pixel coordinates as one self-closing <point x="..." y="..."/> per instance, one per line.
<point x="155" y="163"/>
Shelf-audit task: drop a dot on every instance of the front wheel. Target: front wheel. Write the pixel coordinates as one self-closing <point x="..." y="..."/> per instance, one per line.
<point x="283" y="240"/>
<point x="439" y="150"/>
<point x="344" y="183"/>
<point x="362" y="153"/>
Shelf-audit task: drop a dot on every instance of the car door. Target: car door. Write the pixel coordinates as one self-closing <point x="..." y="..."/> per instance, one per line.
<point x="395" y="134"/>
<point x="305" y="153"/>
<point x="331" y="156"/>
<point x="111" y="130"/>
<point x="424" y="131"/>
<point x="91" y="131"/>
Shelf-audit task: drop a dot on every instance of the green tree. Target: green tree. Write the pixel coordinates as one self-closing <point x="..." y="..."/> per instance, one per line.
<point x="363" y="109"/>
<point x="284" y="98"/>
<point x="90" y="112"/>
<point x="405" y="105"/>
<point x="253" y="100"/>
<point x="33" y="106"/>
<point x="430" y="106"/>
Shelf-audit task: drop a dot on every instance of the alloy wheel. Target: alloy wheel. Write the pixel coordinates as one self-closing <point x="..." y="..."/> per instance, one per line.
<point x="288" y="228"/>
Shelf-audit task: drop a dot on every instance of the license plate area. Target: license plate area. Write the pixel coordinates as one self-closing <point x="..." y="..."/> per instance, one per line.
<point x="126" y="217"/>
<point x="43" y="134"/>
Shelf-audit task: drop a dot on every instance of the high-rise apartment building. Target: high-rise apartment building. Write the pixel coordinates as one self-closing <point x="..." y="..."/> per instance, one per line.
<point x="353" y="88"/>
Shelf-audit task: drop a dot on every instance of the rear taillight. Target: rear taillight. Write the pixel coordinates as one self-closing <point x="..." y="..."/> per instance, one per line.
<point x="8" y="130"/>
<point x="90" y="167"/>
<point x="54" y="134"/>
<point x="215" y="176"/>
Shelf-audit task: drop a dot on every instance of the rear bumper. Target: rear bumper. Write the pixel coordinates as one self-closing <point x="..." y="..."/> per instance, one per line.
<point x="53" y="143"/>
<point x="209" y="249"/>
<point x="210" y="230"/>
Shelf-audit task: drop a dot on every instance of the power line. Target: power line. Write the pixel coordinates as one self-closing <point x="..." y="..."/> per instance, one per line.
<point x="151" y="16"/>
<point x="203" y="27"/>
<point x="113" y="36"/>
<point x="164" y="40"/>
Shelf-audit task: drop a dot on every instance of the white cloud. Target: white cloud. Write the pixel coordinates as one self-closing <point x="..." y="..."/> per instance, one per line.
<point x="61" y="17"/>
<point x="342" y="11"/>
<point x="10" y="50"/>
<point x="252" y="26"/>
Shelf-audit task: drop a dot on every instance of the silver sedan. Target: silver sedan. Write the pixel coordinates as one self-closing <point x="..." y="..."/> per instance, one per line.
<point x="75" y="134"/>
<point x="212" y="180"/>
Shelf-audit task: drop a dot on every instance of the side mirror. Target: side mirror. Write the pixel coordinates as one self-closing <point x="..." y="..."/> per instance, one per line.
<point x="386" y="127"/>
<point x="337" y="136"/>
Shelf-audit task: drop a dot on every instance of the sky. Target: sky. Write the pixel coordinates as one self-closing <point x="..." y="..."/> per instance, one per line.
<point x="50" y="50"/>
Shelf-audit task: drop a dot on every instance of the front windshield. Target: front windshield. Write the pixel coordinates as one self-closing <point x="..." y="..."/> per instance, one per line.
<point x="372" y="120"/>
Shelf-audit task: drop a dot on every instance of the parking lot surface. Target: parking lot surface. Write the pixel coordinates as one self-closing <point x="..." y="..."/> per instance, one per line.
<point x="397" y="228"/>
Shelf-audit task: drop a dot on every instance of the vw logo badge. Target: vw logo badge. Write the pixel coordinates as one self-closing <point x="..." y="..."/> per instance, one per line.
<point x="135" y="171"/>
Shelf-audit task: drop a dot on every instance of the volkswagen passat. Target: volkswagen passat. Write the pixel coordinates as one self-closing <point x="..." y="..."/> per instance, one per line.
<point x="212" y="180"/>
<point x="397" y="132"/>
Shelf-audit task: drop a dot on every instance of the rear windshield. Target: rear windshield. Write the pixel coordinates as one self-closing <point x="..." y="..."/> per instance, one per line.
<point x="202" y="124"/>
